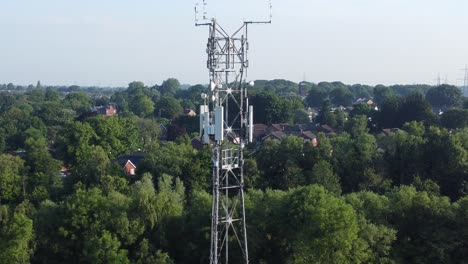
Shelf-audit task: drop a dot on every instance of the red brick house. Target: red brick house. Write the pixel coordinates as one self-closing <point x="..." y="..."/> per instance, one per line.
<point x="130" y="168"/>
<point x="130" y="163"/>
<point x="109" y="110"/>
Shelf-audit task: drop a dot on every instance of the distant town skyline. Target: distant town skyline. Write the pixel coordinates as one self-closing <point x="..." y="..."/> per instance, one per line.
<point x="113" y="42"/>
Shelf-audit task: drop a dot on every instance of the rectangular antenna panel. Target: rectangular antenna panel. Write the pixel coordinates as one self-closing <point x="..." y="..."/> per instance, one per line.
<point x="219" y="123"/>
<point x="206" y="128"/>
<point x="250" y="126"/>
<point x="203" y="110"/>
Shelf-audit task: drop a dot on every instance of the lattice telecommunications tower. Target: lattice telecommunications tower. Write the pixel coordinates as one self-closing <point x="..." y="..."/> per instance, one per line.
<point x="226" y="122"/>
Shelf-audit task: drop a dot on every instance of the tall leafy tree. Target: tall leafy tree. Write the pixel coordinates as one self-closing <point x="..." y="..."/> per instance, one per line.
<point x="142" y="106"/>
<point x="424" y="223"/>
<point x="169" y="107"/>
<point x="12" y="178"/>
<point x="323" y="229"/>
<point x="326" y="116"/>
<point x="79" y="102"/>
<point x="281" y="162"/>
<point x="415" y="108"/>
<point x="444" y="96"/>
<point x="454" y="118"/>
<point x="323" y="174"/>
<point x="16" y="239"/>
<point x="169" y="87"/>
<point x="317" y="95"/>
<point x="341" y="96"/>
<point x="382" y="93"/>
<point x="353" y="157"/>
<point x="267" y="108"/>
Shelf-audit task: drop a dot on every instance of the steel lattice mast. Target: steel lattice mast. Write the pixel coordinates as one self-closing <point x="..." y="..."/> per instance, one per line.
<point x="226" y="118"/>
<point x="226" y="122"/>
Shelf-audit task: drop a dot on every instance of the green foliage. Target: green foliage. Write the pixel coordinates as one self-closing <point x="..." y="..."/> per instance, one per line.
<point x="142" y="106"/>
<point x="103" y="216"/>
<point x="38" y="158"/>
<point x="416" y="108"/>
<point x="316" y="97"/>
<point x="454" y="118"/>
<point x="404" y="154"/>
<point x="16" y="239"/>
<point x="115" y="135"/>
<point x="396" y="111"/>
<point x="280" y="163"/>
<point x="425" y="226"/>
<point x="378" y="241"/>
<point x="105" y="249"/>
<point x="270" y="108"/>
<point x="169" y="107"/>
<point x="322" y="174"/>
<point x="382" y="94"/>
<point x="267" y="242"/>
<point x="12" y="178"/>
<point x="353" y="158"/>
<point x="388" y="115"/>
<point x="361" y="91"/>
<point x="180" y="160"/>
<point x="282" y="87"/>
<point x="169" y="87"/>
<point x="341" y="96"/>
<point x="323" y="228"/>
<point x="79" y="102"/>
<point x="107" y="228"/>
<point x="361" y="109"/>
<point x="444" y="96"/>
<point x="44" y="181"/>
<point x="15" y="122"/>
<point x="326" y="116"/>
<point x="149" y="131"/>
<point x="92" y="164"/>
<point x="196" y="230"/>
<point x="357" y="126"/>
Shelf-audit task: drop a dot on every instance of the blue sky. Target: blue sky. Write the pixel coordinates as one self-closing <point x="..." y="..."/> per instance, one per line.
<point x="113" y="42"/>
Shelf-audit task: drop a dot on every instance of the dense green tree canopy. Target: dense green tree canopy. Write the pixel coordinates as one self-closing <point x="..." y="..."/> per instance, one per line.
<point x="169" y="107"/>
<point x="359" y="195"/>
<point x="317" y="95"/>
<point x="12" y="178"/>
<point x="142" y="106"/>
<point x="444" y="96"/>
<point x="341" y="96"/>
<point x="454" y="118"/>
<point x="382" y="93"/>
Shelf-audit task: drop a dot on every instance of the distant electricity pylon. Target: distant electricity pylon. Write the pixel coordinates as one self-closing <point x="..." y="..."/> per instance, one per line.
<point x="438" y="82"/>
<point x="226" y="122"/>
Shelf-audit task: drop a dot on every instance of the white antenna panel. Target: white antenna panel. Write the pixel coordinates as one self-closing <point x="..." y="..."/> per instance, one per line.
<point x="219" y="123"/>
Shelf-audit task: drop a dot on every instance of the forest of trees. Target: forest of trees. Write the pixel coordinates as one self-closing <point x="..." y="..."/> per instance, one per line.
<point x="360" y="196"/>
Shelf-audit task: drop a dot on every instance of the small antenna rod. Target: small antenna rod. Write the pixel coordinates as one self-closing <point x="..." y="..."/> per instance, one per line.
<point x="206" y="21"/>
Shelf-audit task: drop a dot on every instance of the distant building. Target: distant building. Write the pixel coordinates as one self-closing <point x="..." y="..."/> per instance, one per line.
<point x="302" y="89"/>
<point x="280" y="131"/>
<point x="109" y="110"/>
<point x="309" y="137"/>
<point x="389" y="131"/>
<point x="130" y="163"/>
<point x="326" y="129"/>
<point x="259" y="131"/>
<point x="189" y="112"/>
<point x="275" y="135"/>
